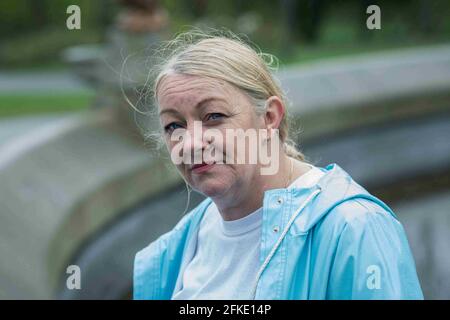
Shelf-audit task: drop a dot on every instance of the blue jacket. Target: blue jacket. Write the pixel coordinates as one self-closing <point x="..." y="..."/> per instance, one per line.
<point x="331" y="241"/>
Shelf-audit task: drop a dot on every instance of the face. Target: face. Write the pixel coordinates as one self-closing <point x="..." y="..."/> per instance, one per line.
<point x="183" y="100"/>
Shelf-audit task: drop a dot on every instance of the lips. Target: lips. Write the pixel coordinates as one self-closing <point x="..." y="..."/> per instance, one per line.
<point x="197" y="168"/>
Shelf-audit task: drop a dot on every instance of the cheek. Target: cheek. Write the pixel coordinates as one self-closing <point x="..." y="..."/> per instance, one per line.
<point x="222" y="176"/>
<point x="175" y="150"/>
<point x="230" y="174"/>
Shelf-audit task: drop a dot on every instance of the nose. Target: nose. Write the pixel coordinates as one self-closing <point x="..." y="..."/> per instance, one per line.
<point x="194" y="144"/>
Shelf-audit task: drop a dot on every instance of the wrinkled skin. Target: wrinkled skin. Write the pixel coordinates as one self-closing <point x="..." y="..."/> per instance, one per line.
<point x="236" y="189"/>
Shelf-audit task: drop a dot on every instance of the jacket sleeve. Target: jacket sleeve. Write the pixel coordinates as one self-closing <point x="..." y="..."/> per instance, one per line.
<point x="145" y="272"/>
<point x="156" y="266"/>
<point x="373" y="260"/>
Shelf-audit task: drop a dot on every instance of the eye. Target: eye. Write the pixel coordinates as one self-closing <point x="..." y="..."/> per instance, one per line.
<point x="214" y="116"/>
<point x="171" y="127"/>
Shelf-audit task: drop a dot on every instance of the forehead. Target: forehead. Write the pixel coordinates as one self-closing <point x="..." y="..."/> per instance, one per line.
<point x="187" y="90"/>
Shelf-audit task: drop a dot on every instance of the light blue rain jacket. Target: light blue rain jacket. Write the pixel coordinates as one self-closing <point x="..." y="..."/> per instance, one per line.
<point x="331" y="241"/>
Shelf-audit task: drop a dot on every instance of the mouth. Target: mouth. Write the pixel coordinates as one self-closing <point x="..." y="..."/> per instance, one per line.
<point x="199" y="168"/>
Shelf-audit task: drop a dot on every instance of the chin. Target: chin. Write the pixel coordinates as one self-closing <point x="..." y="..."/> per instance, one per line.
<point x="211" y="188"/>
<point x="213" y="184"/>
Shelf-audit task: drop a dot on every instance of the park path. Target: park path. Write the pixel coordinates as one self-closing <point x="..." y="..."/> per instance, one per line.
<point x="356" y="79"/>
<point x="13" y="82"/>
<point x="35" y="82"/>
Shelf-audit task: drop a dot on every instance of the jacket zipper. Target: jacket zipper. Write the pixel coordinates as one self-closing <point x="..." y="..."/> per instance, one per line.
<point x="280" y="239"/>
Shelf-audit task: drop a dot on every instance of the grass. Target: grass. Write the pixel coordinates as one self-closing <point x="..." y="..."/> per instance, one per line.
<point x="33" y="103"/>
<point x="316" y="53"/>
<point x="340" y="40"/>
<point x="342" y="34"/>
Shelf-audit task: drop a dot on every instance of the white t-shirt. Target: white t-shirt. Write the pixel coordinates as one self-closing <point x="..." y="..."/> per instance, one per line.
<point x="226" y="260"/>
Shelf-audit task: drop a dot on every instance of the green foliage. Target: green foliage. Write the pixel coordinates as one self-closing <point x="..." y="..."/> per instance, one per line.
<point x="18" y="17"/>
<point x="15" y="16"/>
<point x="43" y="46"/>
<point x="34" y="32"/>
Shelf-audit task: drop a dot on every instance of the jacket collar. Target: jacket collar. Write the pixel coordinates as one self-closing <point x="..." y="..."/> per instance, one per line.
<point x="337" y="186"/>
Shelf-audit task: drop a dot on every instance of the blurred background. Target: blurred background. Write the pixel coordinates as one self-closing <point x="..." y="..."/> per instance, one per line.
<point x="78" y="184"/>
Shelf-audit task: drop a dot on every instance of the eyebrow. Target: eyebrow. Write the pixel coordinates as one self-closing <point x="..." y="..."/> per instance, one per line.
<point x="200" y="104"/>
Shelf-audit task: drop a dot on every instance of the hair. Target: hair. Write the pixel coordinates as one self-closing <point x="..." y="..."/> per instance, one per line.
<point x="224" y="56"/>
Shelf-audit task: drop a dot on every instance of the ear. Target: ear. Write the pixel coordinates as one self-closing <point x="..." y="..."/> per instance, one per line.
<point x="275" y="111"/>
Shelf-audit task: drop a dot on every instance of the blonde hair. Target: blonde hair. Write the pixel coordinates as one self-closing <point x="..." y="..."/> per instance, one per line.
<point x="225" y="56"/>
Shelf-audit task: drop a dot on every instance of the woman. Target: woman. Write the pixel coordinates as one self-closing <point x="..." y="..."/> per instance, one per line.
<point x="298" y="232"/>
